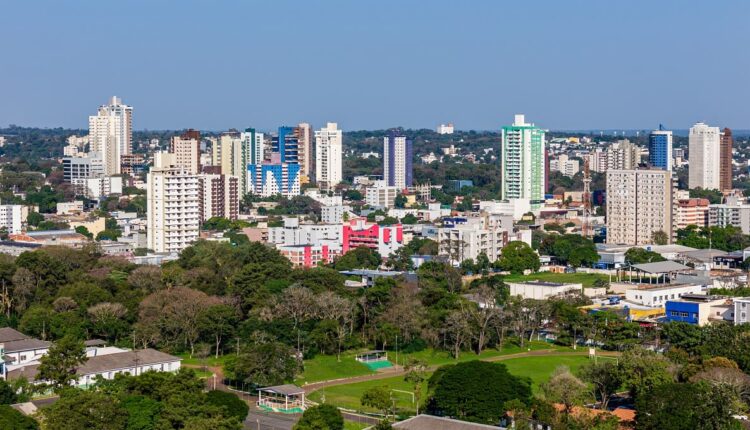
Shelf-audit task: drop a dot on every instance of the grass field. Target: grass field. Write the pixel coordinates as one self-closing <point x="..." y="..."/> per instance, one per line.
<point x="538" y="369"/>
<point x="351" y="425"/>
<point x="327" y="367"/>
<point x="587" y="279"/>
<point x="208" y="361"/>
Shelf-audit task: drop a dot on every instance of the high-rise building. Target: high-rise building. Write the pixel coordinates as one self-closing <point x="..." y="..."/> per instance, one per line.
<point x="734" y="212"/>
<point x="639" y="204"/>
<point x="174" y="208"/>
<point x="623" y="155"/>
<point x="328" y="150"/>
<point x="110" y="133"/>
<point x="219" y="196"/>
<point x="522" y="162"/>
<point x="13" y="218"/>
<point x="187" y="151"/>
<point x="660" y="149"/>
<point x="251" y="152"/>
<point x="304" y="134"/>
<point x="286" y="144"/>
<point x="398" y="155"/>
<point x="704" y="157"/>
<point x="725" y="163"/>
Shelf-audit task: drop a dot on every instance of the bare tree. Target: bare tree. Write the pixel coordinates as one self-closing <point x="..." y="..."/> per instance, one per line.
<point x="297" y="303"/>
<point x="483" y="314"/>
<point x="457" y="330"/>
<point x="24" y="285"/>
<point x="333" y="307"/>
<point x="64" y="304"/>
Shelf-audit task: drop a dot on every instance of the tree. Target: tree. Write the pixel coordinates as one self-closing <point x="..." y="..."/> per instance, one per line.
<point x="660" y="237"/>
<point x="674" y="406"/>
<point x="475" y="391"/>
<point x="321" y="417"/>
<point x="358" y="258"/>
<point x="565" y="388"/>
<point x="11" y="419"/>
<point x="400" y="201"/>
<point x="7" y="393"/>
<point x="232" y="405"/>
<point x="570" y="249"/>
<point x="77" y="409"/>
<point x="84" y="231"/>
<point x="457" y="331"/>
<point x="416" y="373"/>
<point x="61" y="362"/>
<point x="218" y="322"/>
<point x="34" y="218"/>
<point x="340" y="310"/>
<point x="378" y="397"/>
<point x="271" y="363"/>
<point x="637" y="255"/>
<point x="107" y="319"/>
<point x="517" y="256"/>
<point x="605" y="378"/>
<point x="643" y="370"/>
<point x="484" y="314"/>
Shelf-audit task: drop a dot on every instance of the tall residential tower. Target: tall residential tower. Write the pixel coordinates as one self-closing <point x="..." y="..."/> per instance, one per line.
<point x="522" y="164"/>
<point x="725" y="163"/>
<point x="111" y="134"/>
<point x="328" y="149"/>
<point x="704" y="156"/>
<point x="660" y="149"/>
<point x="398" y="154"/>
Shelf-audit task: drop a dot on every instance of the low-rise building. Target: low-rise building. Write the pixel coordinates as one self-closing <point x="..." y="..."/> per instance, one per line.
<point x="539" y="290"/>
<point x="658" y="296"/>
<point x="384" y="239"/>
<point x="691" y="212"/>
<point x="51" y="237"/>
<point x="381" y="196"/>
<point x="734" y="212"/>
<point x="699" y="309"/>
<point x="307" y="255"/>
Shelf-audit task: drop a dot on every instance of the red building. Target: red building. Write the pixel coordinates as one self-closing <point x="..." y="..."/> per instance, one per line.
<point x="384" y="239"/>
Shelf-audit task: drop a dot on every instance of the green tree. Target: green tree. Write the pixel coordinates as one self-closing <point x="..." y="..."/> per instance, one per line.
<point x="11" y="419"/>
<point x="605" y="378"/>
<point x="34" y="218"/>
<point x="565" y="388"/>
<point x="7" y="393"/>
<point x="416" y="373"/>
<point x="378" y="397"/>
<point x="358" y="258"/>
<point x="264" y="364"/>
<point x="637" y="255"/>
<point x="475" y="391"/>
<point x="660" y="237"/>
<point x="78" y="409"/>
<point x="321" y="417"/>
<point x="400" y="201"/>
<point x="60" y="364"/>
<point x="232" y="405"/>
<point x="142" y="412"/>
<point x="674" y="406"/>
<point x="218" y="322"/>
<point x="84" y="231"/>
<point x="517" y="256"/>
<point x="643" y="370"/>
<point x="570" y="249"/>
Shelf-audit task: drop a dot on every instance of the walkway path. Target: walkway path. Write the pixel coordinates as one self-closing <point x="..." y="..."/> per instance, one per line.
<point x="398" y="371"/>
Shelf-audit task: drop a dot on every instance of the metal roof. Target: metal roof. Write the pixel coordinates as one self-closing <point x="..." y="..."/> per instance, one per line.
<point x="429" y="422"/>
<point x="284" y="390"/>
<point x="661" y="267"/>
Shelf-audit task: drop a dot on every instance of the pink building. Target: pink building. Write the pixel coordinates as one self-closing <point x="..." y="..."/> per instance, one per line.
<point x="384" y="239"/>
<point x="307" y="255"/>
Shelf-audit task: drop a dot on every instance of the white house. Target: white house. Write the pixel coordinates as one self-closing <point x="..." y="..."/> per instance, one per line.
<point x="657" y="297"/>
<point x="539" y="290"/>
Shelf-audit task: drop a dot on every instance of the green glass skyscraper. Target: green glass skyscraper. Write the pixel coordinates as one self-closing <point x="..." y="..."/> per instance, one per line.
<point x="522" y="163"/>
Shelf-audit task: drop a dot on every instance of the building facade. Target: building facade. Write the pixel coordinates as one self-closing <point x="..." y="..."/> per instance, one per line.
<point x="522" y="162"/>
<point x="639" y="204"/>
<point x="173" y="216"/>
<point x="269" y="179"/>
<point x="691" y="212"/>
<point x="660" y="149"/>
<point x="704" y="157"/>
<point x="734" y="212"/>
<point x="398" y="155"/>
<point x="187" y="151"/>
<point x="623" y="155"/>
<point x="725" y="163"/>
<point x="328" y="151"/>
<point x="110" y="133"/>
<point x="384" y="239"/>
<point x="13" y="218"/>
<point x="219" y="196"/>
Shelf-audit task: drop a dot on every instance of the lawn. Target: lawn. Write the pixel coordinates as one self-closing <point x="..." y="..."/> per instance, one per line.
<point x="351" y="425"/>
<point x="538" y="369"/>
<point x="208" y="361"/>
<point x="587" y="279"/>
<point x="327" y="367"/>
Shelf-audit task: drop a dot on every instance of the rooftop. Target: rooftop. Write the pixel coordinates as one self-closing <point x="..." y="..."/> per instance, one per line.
<point x="429" y="422"/>
<point x="8" y="334"/>
<point x="284" y="390"/>
<point x="24" y="345"/>
<point x="661" y="267"/>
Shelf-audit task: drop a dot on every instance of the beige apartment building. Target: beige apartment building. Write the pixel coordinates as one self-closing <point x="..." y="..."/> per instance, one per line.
<point x="639" y="203"/>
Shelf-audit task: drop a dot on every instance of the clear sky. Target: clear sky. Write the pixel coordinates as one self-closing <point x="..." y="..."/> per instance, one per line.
<point x="376" y="64"/>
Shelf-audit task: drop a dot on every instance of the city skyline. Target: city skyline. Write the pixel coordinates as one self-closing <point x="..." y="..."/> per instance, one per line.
<point x="586" y="66"/>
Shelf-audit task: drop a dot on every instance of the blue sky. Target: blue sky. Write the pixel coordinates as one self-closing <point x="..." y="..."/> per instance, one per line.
<point x="376" y="64"/>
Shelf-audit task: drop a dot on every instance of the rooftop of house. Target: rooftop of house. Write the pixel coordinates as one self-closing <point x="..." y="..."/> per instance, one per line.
<point x="429" y="422"/>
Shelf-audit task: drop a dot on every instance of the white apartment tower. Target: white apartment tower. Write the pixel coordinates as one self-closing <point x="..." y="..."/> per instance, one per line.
<point x="704" y="156"/>
<point x="522" y="162"/>
<point x="173" y="202"/>
<point x="639" y="204"/>
<point x="110" y="133"/>
<point x="328" y="149"/>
